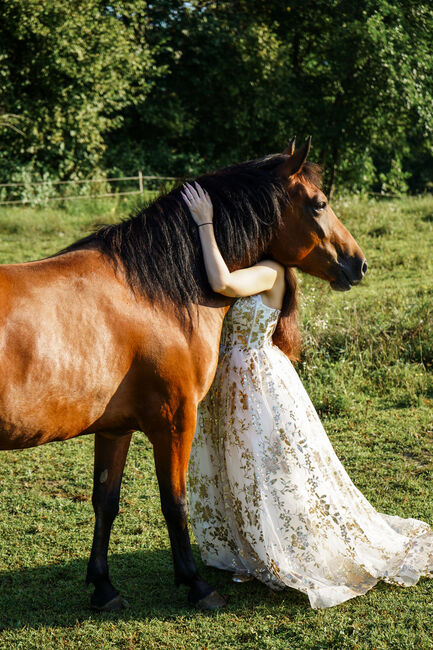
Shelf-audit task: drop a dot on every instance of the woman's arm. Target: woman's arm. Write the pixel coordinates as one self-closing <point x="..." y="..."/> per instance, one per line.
<point x="244" y="282"/>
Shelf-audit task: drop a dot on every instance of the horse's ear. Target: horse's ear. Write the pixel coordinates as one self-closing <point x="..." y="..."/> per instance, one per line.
<point x="296" y="161"/>
<point x="290" y="149"/>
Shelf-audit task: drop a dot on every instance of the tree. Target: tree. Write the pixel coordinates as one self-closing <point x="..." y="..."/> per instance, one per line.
<point x="67" y="71"/>
<point x="241" y="77"/>
<point x="176" y="87"/>
<point x="217" y="100"/>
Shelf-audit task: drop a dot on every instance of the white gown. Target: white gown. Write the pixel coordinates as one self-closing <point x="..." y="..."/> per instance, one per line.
<point x="268" y="497"/>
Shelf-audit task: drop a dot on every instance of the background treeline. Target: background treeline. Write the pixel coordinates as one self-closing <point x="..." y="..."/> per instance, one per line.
<point x="171" y="87"/>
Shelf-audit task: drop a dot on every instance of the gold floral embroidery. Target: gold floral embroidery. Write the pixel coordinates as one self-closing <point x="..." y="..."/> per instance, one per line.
<point x="268" y="496"/>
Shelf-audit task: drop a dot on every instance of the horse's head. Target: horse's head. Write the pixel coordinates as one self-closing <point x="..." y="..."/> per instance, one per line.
<point x="310" y="236"/>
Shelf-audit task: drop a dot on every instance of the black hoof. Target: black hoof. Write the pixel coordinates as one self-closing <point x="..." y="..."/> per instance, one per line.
<point x="211" y="602"/>
<point x="113" y="605"/>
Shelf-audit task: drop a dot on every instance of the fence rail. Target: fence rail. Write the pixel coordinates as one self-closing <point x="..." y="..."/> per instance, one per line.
<point x="140" y="178"/>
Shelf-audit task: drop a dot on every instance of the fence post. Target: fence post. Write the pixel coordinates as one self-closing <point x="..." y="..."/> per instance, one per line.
<point x="140" y="182"/>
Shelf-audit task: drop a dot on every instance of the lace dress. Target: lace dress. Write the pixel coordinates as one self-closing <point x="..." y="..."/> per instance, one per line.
<point x="268" y="496"/>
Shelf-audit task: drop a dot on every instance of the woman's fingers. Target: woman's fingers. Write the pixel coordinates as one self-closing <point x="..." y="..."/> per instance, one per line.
<point x="185" y="198"/>
<point x="193" y="194"/>
<point x="199" y="189"/>
<point x="195" y="191"/>
<point x="192" y="191"/>
<point x="189" y="194"/>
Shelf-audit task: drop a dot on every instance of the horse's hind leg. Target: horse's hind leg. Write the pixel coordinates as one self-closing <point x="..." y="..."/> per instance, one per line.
<point x="171" y="451"/>
<point x="110" y="457"/>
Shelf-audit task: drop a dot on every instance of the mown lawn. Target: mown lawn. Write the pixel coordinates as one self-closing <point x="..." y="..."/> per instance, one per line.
<point x="368" y="359"/>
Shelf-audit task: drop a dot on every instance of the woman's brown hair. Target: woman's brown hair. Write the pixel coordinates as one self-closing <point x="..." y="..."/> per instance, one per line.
<point x="287" y="336"/>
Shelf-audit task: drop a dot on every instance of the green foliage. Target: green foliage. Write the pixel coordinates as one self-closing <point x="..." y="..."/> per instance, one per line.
<point x="368" y="366"/>
<point x="175" y="87"/>
<point x="241" y="77"/>
<point x="215" y="102"/>
<point x="67" y="71"/>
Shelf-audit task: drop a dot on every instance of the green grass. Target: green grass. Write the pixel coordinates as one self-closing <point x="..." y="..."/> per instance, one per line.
<point x="367" y="365"/>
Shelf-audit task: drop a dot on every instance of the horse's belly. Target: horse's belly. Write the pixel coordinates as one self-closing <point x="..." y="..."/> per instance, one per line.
<point x="29" y="418"/>
<point x="21" y="434"/>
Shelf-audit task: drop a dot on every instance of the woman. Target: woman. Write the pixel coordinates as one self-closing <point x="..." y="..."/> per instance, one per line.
<point x="268" y="496"/>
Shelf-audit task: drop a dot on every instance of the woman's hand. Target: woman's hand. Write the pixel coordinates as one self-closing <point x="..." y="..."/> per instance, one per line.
<point x="199" y="203"/>
<point x="243" y="282"/>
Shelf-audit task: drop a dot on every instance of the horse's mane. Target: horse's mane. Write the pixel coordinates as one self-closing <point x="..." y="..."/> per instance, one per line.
<point x="159" y="248"/>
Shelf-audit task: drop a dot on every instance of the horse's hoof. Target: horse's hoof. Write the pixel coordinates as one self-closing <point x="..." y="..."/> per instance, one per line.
<point x="210" y="602"/>
<point x="113" y="605"/>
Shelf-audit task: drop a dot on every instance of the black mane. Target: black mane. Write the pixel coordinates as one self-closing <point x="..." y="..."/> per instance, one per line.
<point x="159" y="247"/>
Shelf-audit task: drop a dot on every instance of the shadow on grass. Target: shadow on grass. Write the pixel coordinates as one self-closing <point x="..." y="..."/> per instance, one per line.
<point x="56" y="596"/>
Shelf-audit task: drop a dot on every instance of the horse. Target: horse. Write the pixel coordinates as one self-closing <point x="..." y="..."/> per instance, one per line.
<point x="119" y="333"/>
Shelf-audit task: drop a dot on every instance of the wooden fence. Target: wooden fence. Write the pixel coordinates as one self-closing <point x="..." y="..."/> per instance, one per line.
<point x="140" y="179"/>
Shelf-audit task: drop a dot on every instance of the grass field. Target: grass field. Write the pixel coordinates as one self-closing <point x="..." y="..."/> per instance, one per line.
<point x="368" y="360"/>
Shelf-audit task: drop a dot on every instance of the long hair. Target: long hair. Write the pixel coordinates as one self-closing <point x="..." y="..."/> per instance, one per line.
<point x="287" y="336"/>
<point x="159" y="248"/>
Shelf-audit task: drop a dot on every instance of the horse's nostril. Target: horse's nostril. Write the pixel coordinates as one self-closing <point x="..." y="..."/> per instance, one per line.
<point x="364" y="268"/>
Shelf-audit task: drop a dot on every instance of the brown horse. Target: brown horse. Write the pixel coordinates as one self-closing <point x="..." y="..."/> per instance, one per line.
<point x="120" y="333"/>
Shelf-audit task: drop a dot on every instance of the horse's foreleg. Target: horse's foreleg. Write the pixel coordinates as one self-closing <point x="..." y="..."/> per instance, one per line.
<point x="171" y="450"/>
<point x="110" y="457"/>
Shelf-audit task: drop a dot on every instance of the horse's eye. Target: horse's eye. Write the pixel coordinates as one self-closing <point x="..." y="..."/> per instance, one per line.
<point x="321" y="205"/>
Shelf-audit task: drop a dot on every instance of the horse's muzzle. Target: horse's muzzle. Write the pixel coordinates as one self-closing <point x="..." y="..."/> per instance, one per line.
<point x="349" y="273"/>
